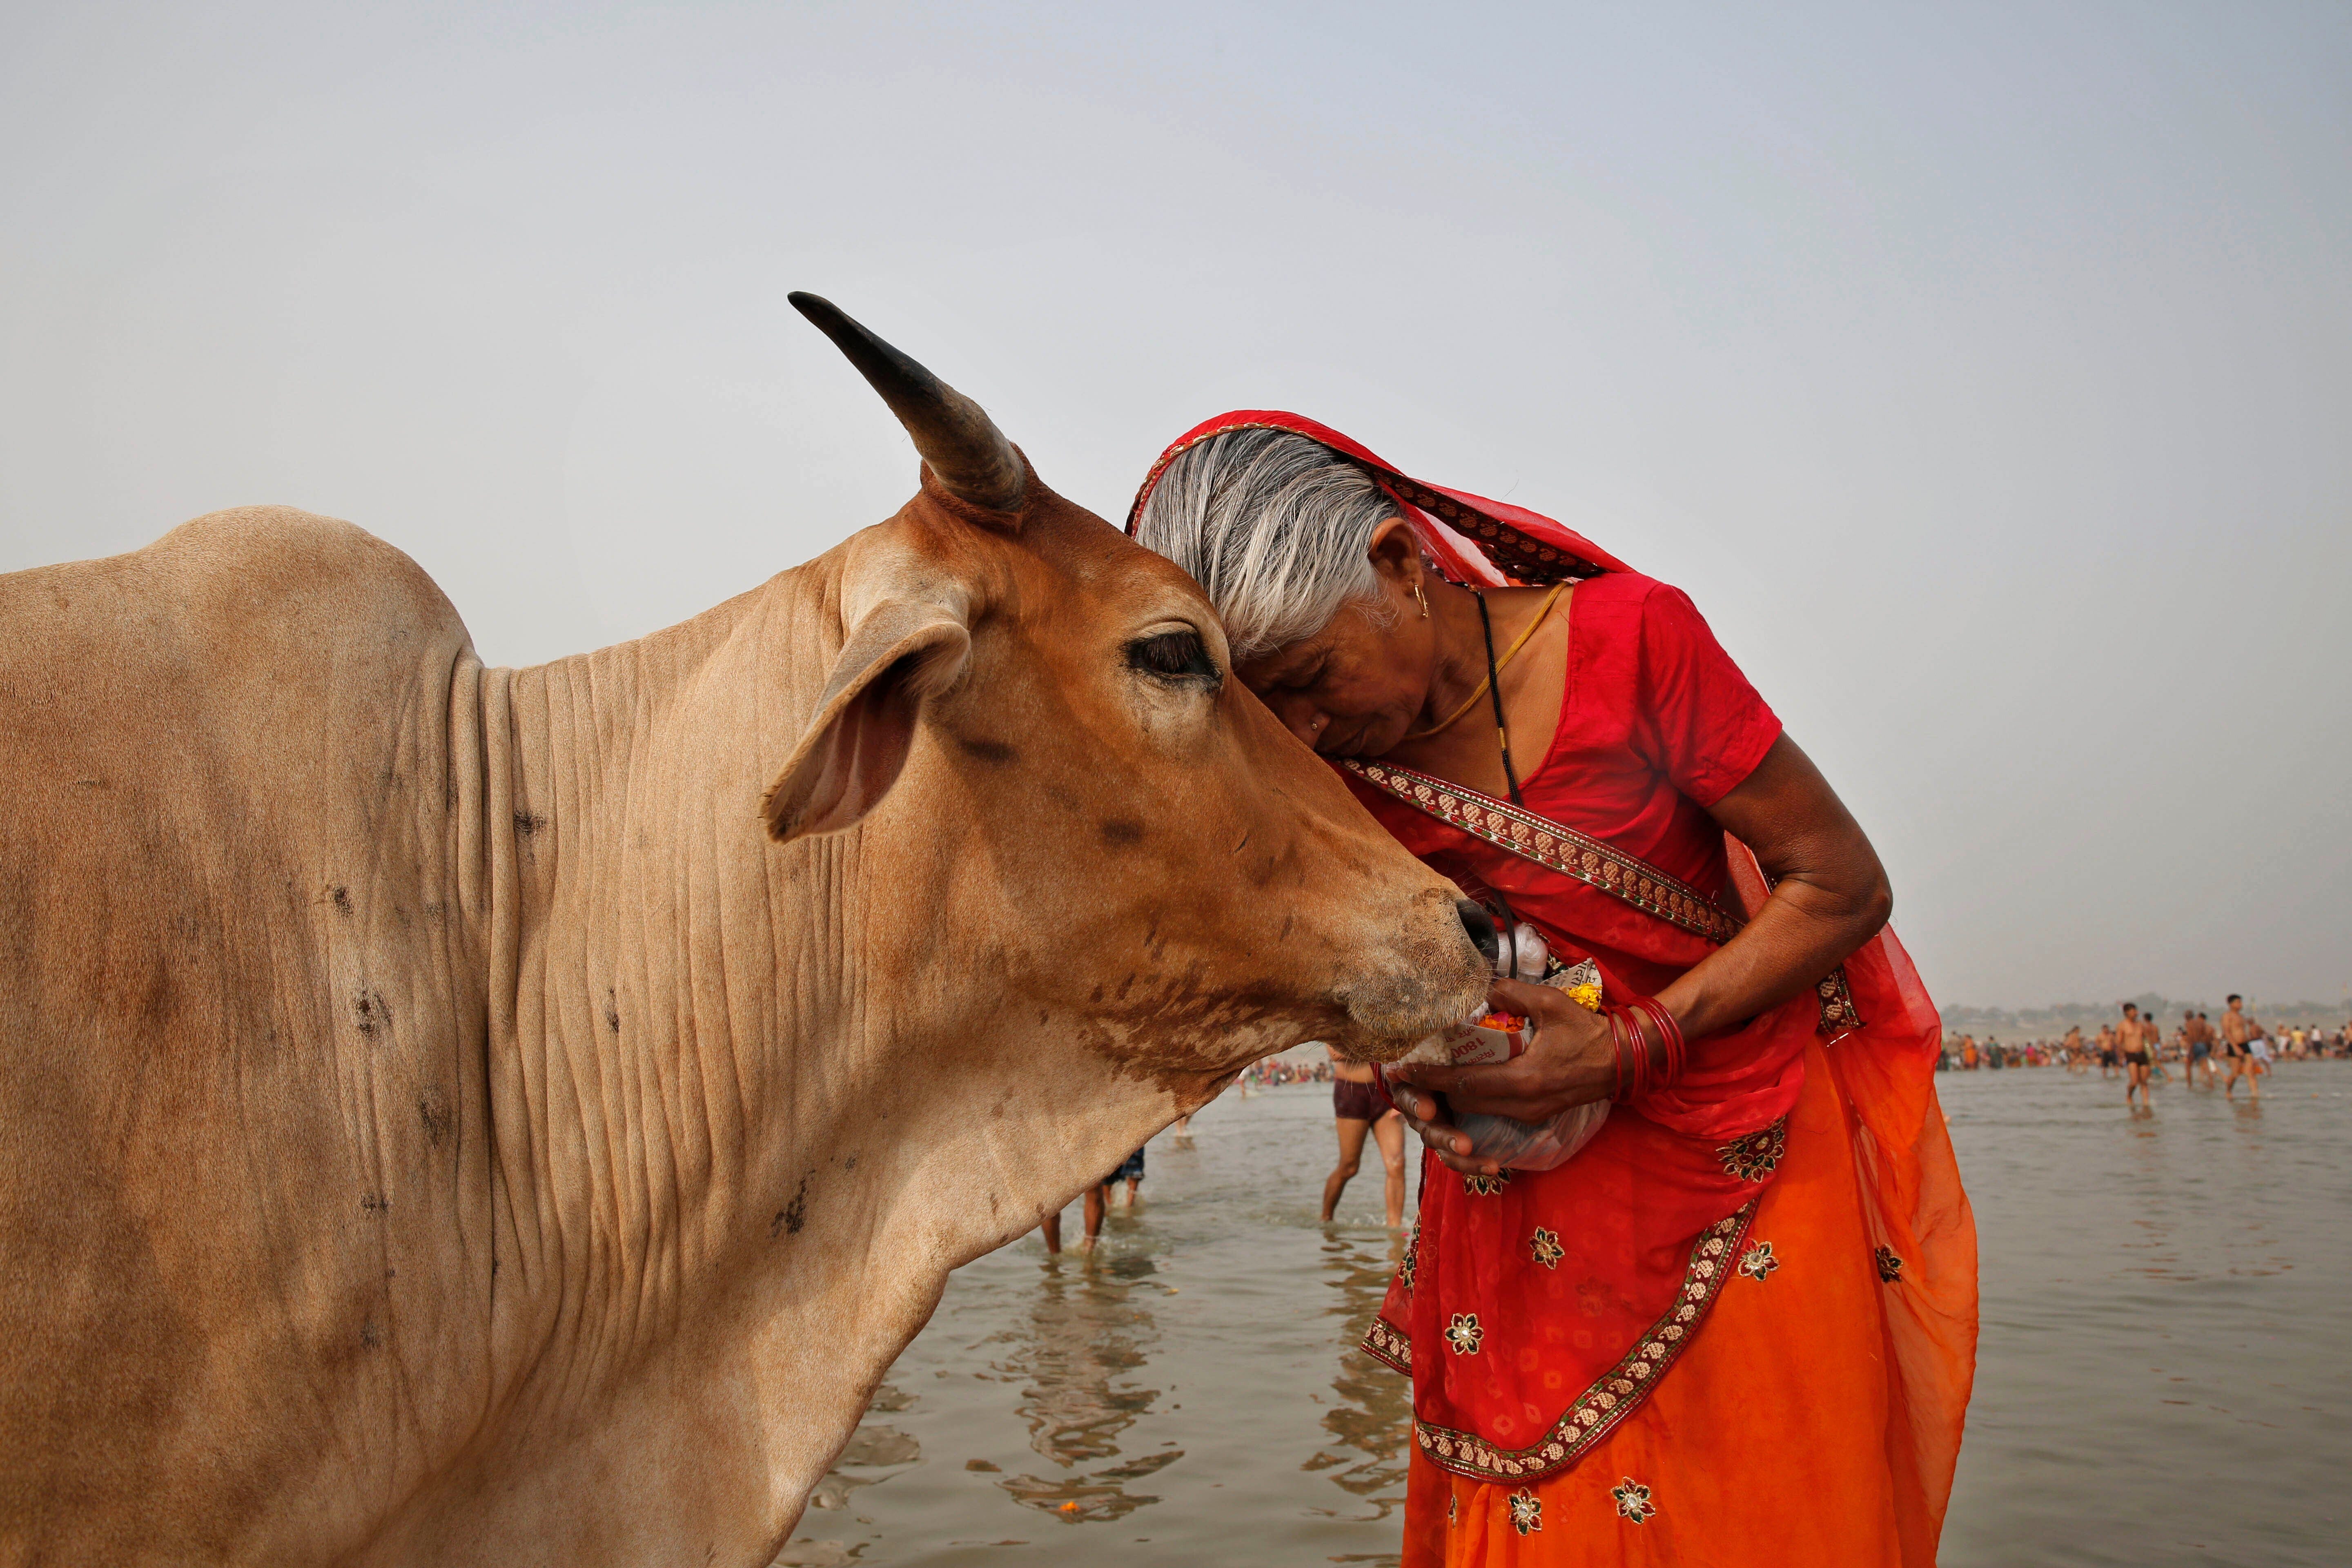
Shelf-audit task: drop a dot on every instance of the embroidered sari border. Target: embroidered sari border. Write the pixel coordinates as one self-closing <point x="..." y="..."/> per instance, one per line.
<point x="1389" y="1345"/>
<point x="1556" y="846"/>
<point x="1612" y="1396"/>
<point x="1526" y="559"/>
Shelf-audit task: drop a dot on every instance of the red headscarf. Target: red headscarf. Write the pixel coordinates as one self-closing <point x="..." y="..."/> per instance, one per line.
<point x="1472" y="540"/>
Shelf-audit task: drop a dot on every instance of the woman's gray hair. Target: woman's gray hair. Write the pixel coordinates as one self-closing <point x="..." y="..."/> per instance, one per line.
<point x="1277" y="527"/>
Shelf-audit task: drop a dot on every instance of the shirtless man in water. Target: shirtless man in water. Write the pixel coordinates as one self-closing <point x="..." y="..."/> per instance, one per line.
<point x="2196" y="1036"/>
<point x="1356" y="1106"/>
<point x="2239" y="1032"/>
<point x="2136" y="1044"/>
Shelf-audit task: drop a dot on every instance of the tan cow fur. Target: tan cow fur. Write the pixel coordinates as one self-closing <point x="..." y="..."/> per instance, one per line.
<point x="438" y="1124"/>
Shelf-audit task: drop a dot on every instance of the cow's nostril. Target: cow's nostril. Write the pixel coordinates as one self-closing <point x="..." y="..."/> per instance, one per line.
<point x="1481" y="927"/>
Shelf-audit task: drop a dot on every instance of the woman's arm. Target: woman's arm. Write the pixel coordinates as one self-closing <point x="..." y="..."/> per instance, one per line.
<point x="1830" y="895"/>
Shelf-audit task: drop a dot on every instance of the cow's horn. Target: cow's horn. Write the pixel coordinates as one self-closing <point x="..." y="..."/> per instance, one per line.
<point x="967" y="452"/>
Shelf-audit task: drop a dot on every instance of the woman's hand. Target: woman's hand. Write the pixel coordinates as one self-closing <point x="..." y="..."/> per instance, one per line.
<point x="1569" y="1062"/>
<point x="1429" y="1121"/>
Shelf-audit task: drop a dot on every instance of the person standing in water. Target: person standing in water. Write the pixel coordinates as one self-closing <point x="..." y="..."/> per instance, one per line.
<point x="2198" y="1036"/>
<point x="2133" y="1044"/>
<point x="1358" y="1109"/>
<point x="1130" y="1170"/>
<point x="2239" y="1031"/>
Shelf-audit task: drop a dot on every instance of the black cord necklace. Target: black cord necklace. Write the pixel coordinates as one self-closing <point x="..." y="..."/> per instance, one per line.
<point x="1494" y="688"/>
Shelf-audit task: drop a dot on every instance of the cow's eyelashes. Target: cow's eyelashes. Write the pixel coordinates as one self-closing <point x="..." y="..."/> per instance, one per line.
<point x="1172" y="655"/>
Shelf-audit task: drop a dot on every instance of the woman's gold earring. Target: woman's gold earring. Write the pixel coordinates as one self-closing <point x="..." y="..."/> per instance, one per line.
<point x="1425" y="601"/>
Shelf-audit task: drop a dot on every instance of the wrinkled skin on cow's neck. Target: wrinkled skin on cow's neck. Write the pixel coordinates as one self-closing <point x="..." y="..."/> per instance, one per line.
<point x="446" y="1126"/>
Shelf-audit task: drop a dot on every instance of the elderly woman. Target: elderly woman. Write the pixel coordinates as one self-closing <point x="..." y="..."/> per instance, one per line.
<point x="1739" y="1326"/>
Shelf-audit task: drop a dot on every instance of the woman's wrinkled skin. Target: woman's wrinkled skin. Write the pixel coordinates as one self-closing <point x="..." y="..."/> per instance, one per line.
<point x="1381" y="672"/>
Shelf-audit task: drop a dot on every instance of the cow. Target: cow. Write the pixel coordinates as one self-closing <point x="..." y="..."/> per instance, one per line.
<point x="464" y="1115"/>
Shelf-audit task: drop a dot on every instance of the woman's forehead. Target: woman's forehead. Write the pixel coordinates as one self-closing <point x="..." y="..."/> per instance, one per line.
<point x="1285" y="664"/>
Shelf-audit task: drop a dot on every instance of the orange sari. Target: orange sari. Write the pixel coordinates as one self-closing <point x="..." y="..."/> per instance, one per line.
<point x="1817" y="1417"/>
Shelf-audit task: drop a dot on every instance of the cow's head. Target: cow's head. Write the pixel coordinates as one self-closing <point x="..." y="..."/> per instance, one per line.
<point x="1035" y="719"/>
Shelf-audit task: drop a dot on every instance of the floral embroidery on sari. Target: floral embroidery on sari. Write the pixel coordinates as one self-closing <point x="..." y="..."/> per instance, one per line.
<point x="1890" y="1266"/>
<point x="1758" y="1261"/>
<point x="1463" y="1333"/>
<point x="1634" y="1501"/>
<point x="1526" y="1511"/>
<point x="1486" y="1186"/>
<point x="1615" y="1394"/>
<point x="1545" y="1245"/>
<point x="1757" y="1156"/>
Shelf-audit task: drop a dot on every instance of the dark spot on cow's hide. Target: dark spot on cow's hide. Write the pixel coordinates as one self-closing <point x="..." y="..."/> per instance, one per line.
<point x="527" y="823"/>
<point x="344" y="900"/>
<point x="987" y="751"/>
<point x="371" y="1336"/>
<point x="850" y="1164"/>
<point x="376" y="1203"/>
<point x="794" y="1213"/>
<point x="612" y="1011"/>
<point x="369" y="1005"/>
<point x="1120" y="830"/>
<point x="433" y="1110"/>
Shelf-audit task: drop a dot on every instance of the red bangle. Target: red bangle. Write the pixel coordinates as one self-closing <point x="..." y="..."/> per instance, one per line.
<point x="1631" y="1053"/>
<point x="1636" y="1074"/>
<point x="1676" y="1050"/>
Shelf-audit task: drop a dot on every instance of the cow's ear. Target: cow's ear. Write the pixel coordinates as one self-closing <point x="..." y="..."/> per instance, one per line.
<point x="903" y="652"/>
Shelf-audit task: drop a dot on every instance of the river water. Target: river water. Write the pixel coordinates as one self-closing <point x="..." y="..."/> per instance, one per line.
<point x="2165" y="1374"/>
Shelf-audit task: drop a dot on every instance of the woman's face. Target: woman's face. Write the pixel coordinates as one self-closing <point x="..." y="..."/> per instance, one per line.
<point x="1359" y="686"/>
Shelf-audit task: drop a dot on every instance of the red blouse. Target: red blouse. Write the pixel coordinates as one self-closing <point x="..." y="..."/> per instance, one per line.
<point x="1656" y="724"/>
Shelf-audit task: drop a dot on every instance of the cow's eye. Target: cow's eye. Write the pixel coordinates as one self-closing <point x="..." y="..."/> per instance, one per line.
<point x="1172" y="655"/>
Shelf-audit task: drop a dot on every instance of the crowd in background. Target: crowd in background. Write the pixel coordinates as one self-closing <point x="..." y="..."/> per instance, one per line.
<point x="2079" y="1053"/>
<point x="1276" y="1070"/>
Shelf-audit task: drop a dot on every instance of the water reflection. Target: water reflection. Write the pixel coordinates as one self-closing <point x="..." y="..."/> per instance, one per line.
<point x="1087" y="1336"/>
<point x="1374" y="1414"/>
<point x="872" y="1449"/>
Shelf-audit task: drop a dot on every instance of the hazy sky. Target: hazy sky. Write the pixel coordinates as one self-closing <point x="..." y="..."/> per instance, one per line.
<point x="1984" y="373"/>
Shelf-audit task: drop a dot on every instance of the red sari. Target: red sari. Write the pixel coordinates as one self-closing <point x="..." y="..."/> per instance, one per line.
<point x="1739" y="1325"/>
